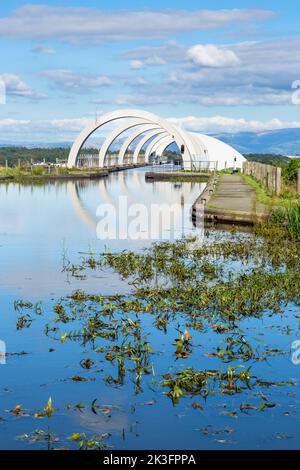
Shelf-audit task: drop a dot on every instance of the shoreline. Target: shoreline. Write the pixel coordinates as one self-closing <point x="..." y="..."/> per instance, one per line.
<point x="103" y="173"/>
<point x="228" y="200"/>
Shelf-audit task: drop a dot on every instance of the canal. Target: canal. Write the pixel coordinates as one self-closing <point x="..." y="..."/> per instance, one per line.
<point x="46" y="233"/>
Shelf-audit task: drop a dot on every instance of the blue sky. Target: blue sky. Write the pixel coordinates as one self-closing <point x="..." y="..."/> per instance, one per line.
<point x="210" y="66"/>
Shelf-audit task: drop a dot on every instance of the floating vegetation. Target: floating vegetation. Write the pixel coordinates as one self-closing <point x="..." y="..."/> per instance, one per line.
<point x="20" y="305"/>
<point x="24" y="321"/>
<point x="186" y="329"/>
<point x="85" y="443"/>
<point x="204" y="383"/>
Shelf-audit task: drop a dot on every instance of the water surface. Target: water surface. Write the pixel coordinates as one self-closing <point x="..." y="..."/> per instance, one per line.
<point x="41" y="227"/>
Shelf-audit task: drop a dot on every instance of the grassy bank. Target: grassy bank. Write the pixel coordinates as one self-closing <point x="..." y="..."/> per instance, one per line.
<point x="286" y="212"/>
<point x="287" y="197"/>
<point x="42" y="174"/>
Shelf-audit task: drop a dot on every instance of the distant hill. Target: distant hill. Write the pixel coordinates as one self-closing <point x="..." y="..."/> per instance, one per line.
<point x="279" y="142"/>
<point x="283" y="141"/>
<point x="33" y="145"/>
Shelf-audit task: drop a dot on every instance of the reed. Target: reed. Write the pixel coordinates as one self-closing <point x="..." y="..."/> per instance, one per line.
<point x="290" y="218"/>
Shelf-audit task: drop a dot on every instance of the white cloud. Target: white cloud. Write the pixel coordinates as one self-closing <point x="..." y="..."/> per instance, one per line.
<point x="65" y="130"/>
<point x="12" y="123"/>
<point x="140" y="99"/>
<point x="136" y="64"/>
<point x="69" y="125"/>
<point x="256" y="79"/>
<point x="43" y="50"/>
<point x="137" y="81"/>
<point x="18" y="131"/>
<point x="228" y="124"/>
<point x="149" y="61"/>
<point x="169" y="52"/>
<point x="16" y="87"/>
<point x="87" y="24"/>
<point x="242" y="97"/>
<point x="209" y="55"/>
<point x="74" y="81"/>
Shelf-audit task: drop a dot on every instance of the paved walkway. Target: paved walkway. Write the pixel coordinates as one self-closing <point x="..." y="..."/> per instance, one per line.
<point x="233" y="196"/>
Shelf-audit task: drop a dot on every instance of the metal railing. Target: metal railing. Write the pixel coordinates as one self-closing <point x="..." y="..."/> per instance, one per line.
<point x="88" y="161"/>
<point x="92" y="160"/>
<point x="197" y="164"/>
<point x="183" y="165"/>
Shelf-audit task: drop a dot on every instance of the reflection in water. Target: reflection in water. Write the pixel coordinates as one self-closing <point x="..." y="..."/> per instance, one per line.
<point x="39" y="223"/>
<point x="132" y="186"/>
<point x="111" y="382"/>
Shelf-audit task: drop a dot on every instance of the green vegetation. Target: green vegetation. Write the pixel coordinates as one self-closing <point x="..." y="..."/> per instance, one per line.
<point x="189" y="382"/>
<point x="182" y="178"/>
<point x="25" y="155"/>
<point x="180" y="332"/>
<point x="40" y="174"/>
<point x="287" y="197"/>
<point x="197" y="291"/>
<point x="290" y="170"/>
<point x="290" y="218"/>
<point x="286" y="213"/>
<point x="268" y="159"/>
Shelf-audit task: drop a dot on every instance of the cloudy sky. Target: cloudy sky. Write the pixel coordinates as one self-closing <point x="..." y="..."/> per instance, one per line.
<point x="212" y="66"/>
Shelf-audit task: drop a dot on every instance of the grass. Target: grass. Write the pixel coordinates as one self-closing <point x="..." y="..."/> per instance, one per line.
<point x="19" y="173"/>
<point x="289" y="217"/>
<point x="12" y="171"/>
<point x="293" y="218"/>
<point x="183" y="179"/>
<point x="287" y="197"/>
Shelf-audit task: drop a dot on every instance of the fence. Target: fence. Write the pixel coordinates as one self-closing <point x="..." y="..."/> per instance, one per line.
<point x="269" y="176"/>
<point x="195" y="165"/>
<point x="92" y="160"/>
<point x="88" y="160"/>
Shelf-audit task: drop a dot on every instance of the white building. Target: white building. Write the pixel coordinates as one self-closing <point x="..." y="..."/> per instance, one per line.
<point x="198" y="151"/>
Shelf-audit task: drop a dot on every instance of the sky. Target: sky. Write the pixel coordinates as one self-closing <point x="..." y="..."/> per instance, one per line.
<point x="209" y="66"/>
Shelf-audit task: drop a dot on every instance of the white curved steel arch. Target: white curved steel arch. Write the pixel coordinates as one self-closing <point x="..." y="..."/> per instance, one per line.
<point x="131" y="138"/>
<point x="161" y="147"/>
<point x="113" y="136"/>
<point x="181" y="137"/>
<point x="153" y="144"/>
<point x="144" y="140"/>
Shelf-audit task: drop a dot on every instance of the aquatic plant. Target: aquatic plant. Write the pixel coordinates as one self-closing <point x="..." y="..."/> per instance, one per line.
<point x="204" y="383"/>
<point x="85" y="443"/>
<point x="289" y="217"/>
<point x="187" y="292"/>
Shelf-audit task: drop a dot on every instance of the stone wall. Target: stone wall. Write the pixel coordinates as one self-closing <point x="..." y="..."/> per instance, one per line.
<point x="269" y="176"/>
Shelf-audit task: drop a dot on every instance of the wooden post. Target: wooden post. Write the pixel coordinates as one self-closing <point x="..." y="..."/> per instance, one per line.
<point x="278" y="180"/>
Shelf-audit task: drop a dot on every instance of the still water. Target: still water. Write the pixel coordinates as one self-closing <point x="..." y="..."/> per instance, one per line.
<point x="40" y="224"/>
<point x="43" y="226"/>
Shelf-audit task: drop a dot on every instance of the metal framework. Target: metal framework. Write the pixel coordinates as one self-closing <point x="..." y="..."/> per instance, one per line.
<point x="156" y="134"/>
